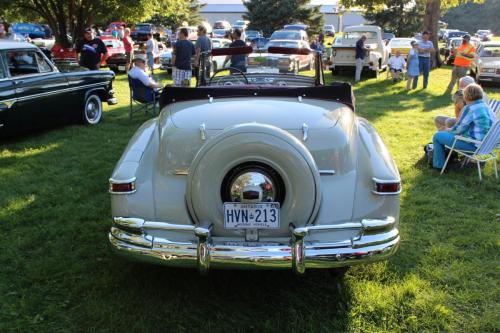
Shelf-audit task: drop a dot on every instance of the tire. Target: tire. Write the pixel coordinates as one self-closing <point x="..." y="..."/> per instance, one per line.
<point x="92" y="110"/>
<point x="234" y="148"/>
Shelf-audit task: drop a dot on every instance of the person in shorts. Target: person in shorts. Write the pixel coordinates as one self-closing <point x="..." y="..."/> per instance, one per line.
<point x="182" y="54"/>
<point x="92" y="51"/>
<point x="397" y="64"/>
<point x="128" y="45"/>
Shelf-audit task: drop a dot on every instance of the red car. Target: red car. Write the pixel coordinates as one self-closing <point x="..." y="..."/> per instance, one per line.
<point x="114" y="26"/>
<point x="113" y="45"/>
<point x="61" y="54"/>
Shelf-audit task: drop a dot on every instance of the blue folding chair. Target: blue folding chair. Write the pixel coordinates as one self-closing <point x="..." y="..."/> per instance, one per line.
<point x="142" y="95"/>
<point x="494" y="105"/>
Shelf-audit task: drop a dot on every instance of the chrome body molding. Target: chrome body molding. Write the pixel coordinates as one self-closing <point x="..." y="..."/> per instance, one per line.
<point x="376" y="240"/>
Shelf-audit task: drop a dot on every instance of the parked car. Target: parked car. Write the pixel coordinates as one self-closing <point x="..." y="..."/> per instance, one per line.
<point x="220" y="33"/>
<point x="114" y="26"/>
<point x="113" y="45"/>
<point x="252" y="34"/>
<point x="454" y="34"/>
<point x="259" y="170"/>
<point x="222" y="25"/>
<point x="166" y="58"/>
<point x="259" y="43"/>
<point x="240" y="24"/>
<point x="450" y="50"/>
<point x="296" y="26"/>
<point x="486" y="65"/>
<point x="442" y="34"/>
<point x="329" y="30"/>
<point x="484" y="35"/>
<point x="28" y="30"/>
<point x="192" y="33"/>
<point x="402" y="45"/>
<point x="387" y="36"/>
<point x="286" y="63"/>
<point x="290" y="35"/>
<point x="117" y="61"/>
<point x="141" y="31"/>
<point x="343" y="54"/>
<point x="34" y="94"/>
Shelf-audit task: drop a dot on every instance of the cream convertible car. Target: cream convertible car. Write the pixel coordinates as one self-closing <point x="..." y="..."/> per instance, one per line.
<point x="256" y="170"/>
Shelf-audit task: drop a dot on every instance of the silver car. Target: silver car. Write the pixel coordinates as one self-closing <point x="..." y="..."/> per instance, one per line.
<point x="256" y="170"/>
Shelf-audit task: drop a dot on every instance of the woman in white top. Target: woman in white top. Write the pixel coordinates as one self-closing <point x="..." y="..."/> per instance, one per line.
<point x="397" y="64"/>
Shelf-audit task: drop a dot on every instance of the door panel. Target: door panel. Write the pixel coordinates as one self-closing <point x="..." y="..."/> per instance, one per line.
<point x="7" y="102"/>
<point x="41" y="92"/>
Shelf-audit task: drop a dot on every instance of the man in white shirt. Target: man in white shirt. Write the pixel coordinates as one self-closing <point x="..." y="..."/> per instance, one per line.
<point x="138" y="72"/>
<point x="397" y="64"/>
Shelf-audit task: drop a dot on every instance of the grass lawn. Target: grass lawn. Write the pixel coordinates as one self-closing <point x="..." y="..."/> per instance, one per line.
<point x="58" y="274"/>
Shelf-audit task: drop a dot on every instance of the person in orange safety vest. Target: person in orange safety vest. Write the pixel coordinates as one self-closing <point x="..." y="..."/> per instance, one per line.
<point x="463" y="60"/>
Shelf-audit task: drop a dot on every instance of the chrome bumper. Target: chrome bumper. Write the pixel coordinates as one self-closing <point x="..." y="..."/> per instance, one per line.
<point x="377" y="240"/>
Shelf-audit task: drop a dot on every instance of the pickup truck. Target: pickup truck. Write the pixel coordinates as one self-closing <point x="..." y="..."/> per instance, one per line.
<point x="343" y="53"/>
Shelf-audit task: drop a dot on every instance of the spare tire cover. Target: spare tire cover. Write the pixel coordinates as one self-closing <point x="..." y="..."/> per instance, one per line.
<point x="260" y="143"/>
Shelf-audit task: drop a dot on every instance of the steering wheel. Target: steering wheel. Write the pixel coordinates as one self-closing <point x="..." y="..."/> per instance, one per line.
<point x="225" y="69"/>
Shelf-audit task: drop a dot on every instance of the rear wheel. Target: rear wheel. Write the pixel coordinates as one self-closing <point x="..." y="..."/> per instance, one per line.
<point x="92" y="112"/>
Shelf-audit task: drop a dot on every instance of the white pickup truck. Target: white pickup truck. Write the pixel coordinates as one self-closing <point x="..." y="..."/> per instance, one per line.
<point x="344" y="50"/>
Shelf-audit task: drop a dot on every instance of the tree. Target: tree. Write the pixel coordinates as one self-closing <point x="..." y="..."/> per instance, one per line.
<point x="402" y="17"/>
<point x="271" y="15"/>
<point x="71" y="17"/>
<point x="173" y="13"/>
<point x="459" y="17"/>
<point x="432" y="14"/>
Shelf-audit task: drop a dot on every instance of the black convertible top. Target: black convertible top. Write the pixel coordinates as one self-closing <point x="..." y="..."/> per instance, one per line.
<point x="338" y="91"/>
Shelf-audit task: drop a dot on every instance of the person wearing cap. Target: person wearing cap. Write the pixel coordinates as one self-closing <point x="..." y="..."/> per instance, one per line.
<point x="463" y="60"/>
<point x="425" y="48"/>
<point x="138" y="72"/>
<point x="91" y="50"/>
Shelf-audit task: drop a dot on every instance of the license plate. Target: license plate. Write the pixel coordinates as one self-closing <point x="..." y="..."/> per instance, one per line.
<point x="251" y="216"/>
<point x="121" y="68"/>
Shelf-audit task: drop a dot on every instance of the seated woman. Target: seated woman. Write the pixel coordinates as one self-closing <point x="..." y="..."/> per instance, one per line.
<point x="474" y="122"/>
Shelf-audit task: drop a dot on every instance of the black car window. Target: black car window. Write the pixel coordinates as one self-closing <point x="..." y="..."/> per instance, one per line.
<point x="22" y="63"/>
<point x="2" y="70"/>
<point x="43" y="65"/>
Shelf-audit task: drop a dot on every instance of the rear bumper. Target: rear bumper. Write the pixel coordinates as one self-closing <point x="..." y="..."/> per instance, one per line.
<point x="377" y="240"/>
<point x="489" y="78"/>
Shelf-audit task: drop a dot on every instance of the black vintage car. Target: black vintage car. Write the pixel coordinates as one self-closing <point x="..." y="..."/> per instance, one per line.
<point x="141" y="31"/>
<point x="35" y="94"/>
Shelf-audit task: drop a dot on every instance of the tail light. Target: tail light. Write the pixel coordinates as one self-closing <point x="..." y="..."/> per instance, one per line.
<point x="386" y="187"/>
<point x="122" y="186"/>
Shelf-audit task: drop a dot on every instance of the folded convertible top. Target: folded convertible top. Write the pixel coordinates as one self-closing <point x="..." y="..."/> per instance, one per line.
<point x="338" y="91"/>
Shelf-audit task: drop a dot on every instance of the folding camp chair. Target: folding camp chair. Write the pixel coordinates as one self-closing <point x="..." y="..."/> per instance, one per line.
<point x="142" y="95"/>
<point x="494" y="106"/>
<point x="484" y="151"/>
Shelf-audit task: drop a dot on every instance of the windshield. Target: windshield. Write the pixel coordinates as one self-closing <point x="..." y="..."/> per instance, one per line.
<point x="218" y="43"/>
<point x="285" y="35"/>
<point x="400" y="43"/>
<point x="481" y="32"/>
<point x="142" y="27"/>
<point x="490" y="51"/>
<point x="219" y="31"/>
<point x="252" y="33"/>
<point x="355" y="35"/>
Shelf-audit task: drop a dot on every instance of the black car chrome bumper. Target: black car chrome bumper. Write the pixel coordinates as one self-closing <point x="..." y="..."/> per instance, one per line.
<point x="376" y="240"/>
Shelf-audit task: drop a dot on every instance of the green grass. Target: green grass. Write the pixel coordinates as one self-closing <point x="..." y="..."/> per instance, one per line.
<point x="58" y="274"/>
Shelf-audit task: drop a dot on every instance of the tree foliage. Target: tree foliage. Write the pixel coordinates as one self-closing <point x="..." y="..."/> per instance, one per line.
<point x="173" y="13"/>
<point x="402" y="17"/>
<point x="271" y="15"/>
<point x="486" y="14"/>
<point x="71" y="17"/>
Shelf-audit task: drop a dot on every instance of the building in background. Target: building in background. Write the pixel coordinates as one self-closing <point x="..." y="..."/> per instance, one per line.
<point x="233" y="10"/>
